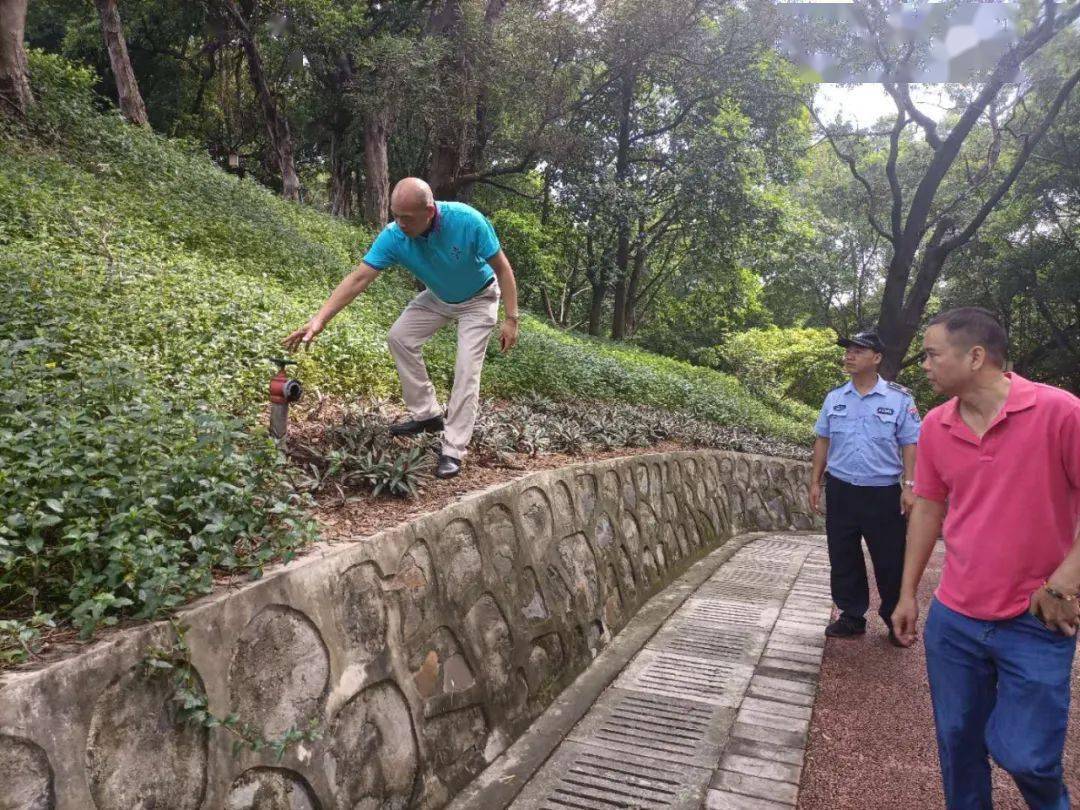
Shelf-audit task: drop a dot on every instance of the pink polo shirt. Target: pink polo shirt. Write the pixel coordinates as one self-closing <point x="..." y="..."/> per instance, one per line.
<point x="1014" y="496"/>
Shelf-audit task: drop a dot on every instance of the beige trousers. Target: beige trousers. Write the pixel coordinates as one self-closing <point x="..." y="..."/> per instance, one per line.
<point x="422" y="318"/>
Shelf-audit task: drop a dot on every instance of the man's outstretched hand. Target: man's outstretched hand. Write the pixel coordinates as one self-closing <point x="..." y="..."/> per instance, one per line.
<point x="508" y="336"/>
<point x="304" y="335"/>
<point x="904" y="620"/>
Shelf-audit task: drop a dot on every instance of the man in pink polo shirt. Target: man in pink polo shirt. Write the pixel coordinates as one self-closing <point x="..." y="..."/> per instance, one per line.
<point x="1004" y="454"/>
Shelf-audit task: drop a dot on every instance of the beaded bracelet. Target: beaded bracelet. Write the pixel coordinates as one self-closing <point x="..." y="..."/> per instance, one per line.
<point x="1054" y="592"/>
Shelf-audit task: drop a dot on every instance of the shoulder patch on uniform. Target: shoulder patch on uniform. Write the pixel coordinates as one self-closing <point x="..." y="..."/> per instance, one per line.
<point x="895" y="386"/>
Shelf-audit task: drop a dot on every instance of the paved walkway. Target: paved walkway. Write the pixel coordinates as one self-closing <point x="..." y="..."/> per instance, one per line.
<point x="716" y="696"/>
<point x="711" y="707"/>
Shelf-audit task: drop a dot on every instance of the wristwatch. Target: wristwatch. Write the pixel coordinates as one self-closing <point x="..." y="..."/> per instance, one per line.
<point x="908" y="483"/>
<point x="513" y="318"/>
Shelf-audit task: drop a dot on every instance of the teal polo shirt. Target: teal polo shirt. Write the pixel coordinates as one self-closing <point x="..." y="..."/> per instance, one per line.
<point x="451" y="258"/>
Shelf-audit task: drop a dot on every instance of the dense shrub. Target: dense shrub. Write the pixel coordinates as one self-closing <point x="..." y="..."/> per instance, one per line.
<point x="800" y="364"/>
<point x="118" y="500"/>
<point x="358" y="454"/>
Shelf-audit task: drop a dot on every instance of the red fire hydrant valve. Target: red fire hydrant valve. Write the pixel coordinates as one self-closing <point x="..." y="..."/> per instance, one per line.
<point x="283" y="389"/>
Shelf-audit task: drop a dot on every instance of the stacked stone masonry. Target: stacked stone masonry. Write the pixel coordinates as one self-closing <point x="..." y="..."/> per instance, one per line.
<point x="422" y="652"/>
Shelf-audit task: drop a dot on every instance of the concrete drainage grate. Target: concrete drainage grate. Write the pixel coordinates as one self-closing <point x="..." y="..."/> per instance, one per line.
<point x="706" y="641"/>
<point x="738" y="592"/>
<point x="718" y="614"/>
<point x="710" y="681"/>
<point x="660" y="727"/>
<point x="597" y="780"/>
<point x="683" y="732"/>
<point x="753" y="576"/>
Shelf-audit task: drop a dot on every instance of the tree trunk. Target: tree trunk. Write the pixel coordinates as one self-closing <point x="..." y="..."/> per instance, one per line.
<point x="483" y="125"/>
<point x="901" y="311"/>
<point x="460" y="145"/>
<point x="210" y="51"/>
<point x="447" y="21"/>
<point x="902" y="328"/>
<point x="598" y="281"/>
<point x="596" y="306"/>
<point x="545" y="205"/>
<point x="889" y="320"/>
<point x="277" y="126"/>
<point x="546" y="299"/>
<point x="127" y="86"/>
<point x="376" y="169"/>
<point x="633" y="289"/>
<point x="569" y="290"/>
<point x="622" y="242"/>
<point x="341" y="179"/>
<point x="445" y="167"/>
<point x="14" y="72"/>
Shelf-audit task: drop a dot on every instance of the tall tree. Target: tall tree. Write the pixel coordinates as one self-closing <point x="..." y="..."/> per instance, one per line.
<point x="482" y="128"/>
<point x="682" y="93"/>
<point x="127" y="86"/>
<point x="1024" y="264"/>
<point x="828" y="266"/>
<point x="448" y="22"/>
<point x="368" y="66"/>
<point x="277" y="125"/>
<point x="14" y="73"/>
<point x="924" y="229"/>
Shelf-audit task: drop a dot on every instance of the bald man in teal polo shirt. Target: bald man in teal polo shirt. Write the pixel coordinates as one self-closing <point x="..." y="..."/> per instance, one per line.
<point x="453" y="250"/>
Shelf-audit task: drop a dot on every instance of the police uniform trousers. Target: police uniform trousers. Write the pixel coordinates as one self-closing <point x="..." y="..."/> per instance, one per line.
<point x="851" y="514"/>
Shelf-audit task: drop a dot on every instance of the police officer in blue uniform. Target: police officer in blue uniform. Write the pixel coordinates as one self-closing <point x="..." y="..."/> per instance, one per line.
<point x="865" y="450"/>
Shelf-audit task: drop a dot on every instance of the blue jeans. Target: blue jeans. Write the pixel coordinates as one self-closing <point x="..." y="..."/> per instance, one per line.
<point x="999" y="688"/>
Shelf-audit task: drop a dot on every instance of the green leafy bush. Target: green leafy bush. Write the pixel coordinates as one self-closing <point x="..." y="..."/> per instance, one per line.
<point x="20" y="639"/>
<point x="116" y="500"/>
<point x="800" y="363"/>
<point x="111" y="221"/>
<point x="523" y="237"/>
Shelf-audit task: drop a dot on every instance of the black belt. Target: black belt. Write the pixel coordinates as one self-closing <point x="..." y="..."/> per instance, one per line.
<point x="860" y="486"/>
<point x="483" y="287"/>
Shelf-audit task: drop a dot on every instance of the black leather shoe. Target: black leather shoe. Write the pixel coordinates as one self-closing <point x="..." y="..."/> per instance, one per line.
<point x="412" y="427"/>
<point x="448" y="467"/>
<point x="845" y="627"/>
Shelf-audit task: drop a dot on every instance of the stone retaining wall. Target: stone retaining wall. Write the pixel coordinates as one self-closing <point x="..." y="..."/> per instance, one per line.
<point x="422" y="651"/>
